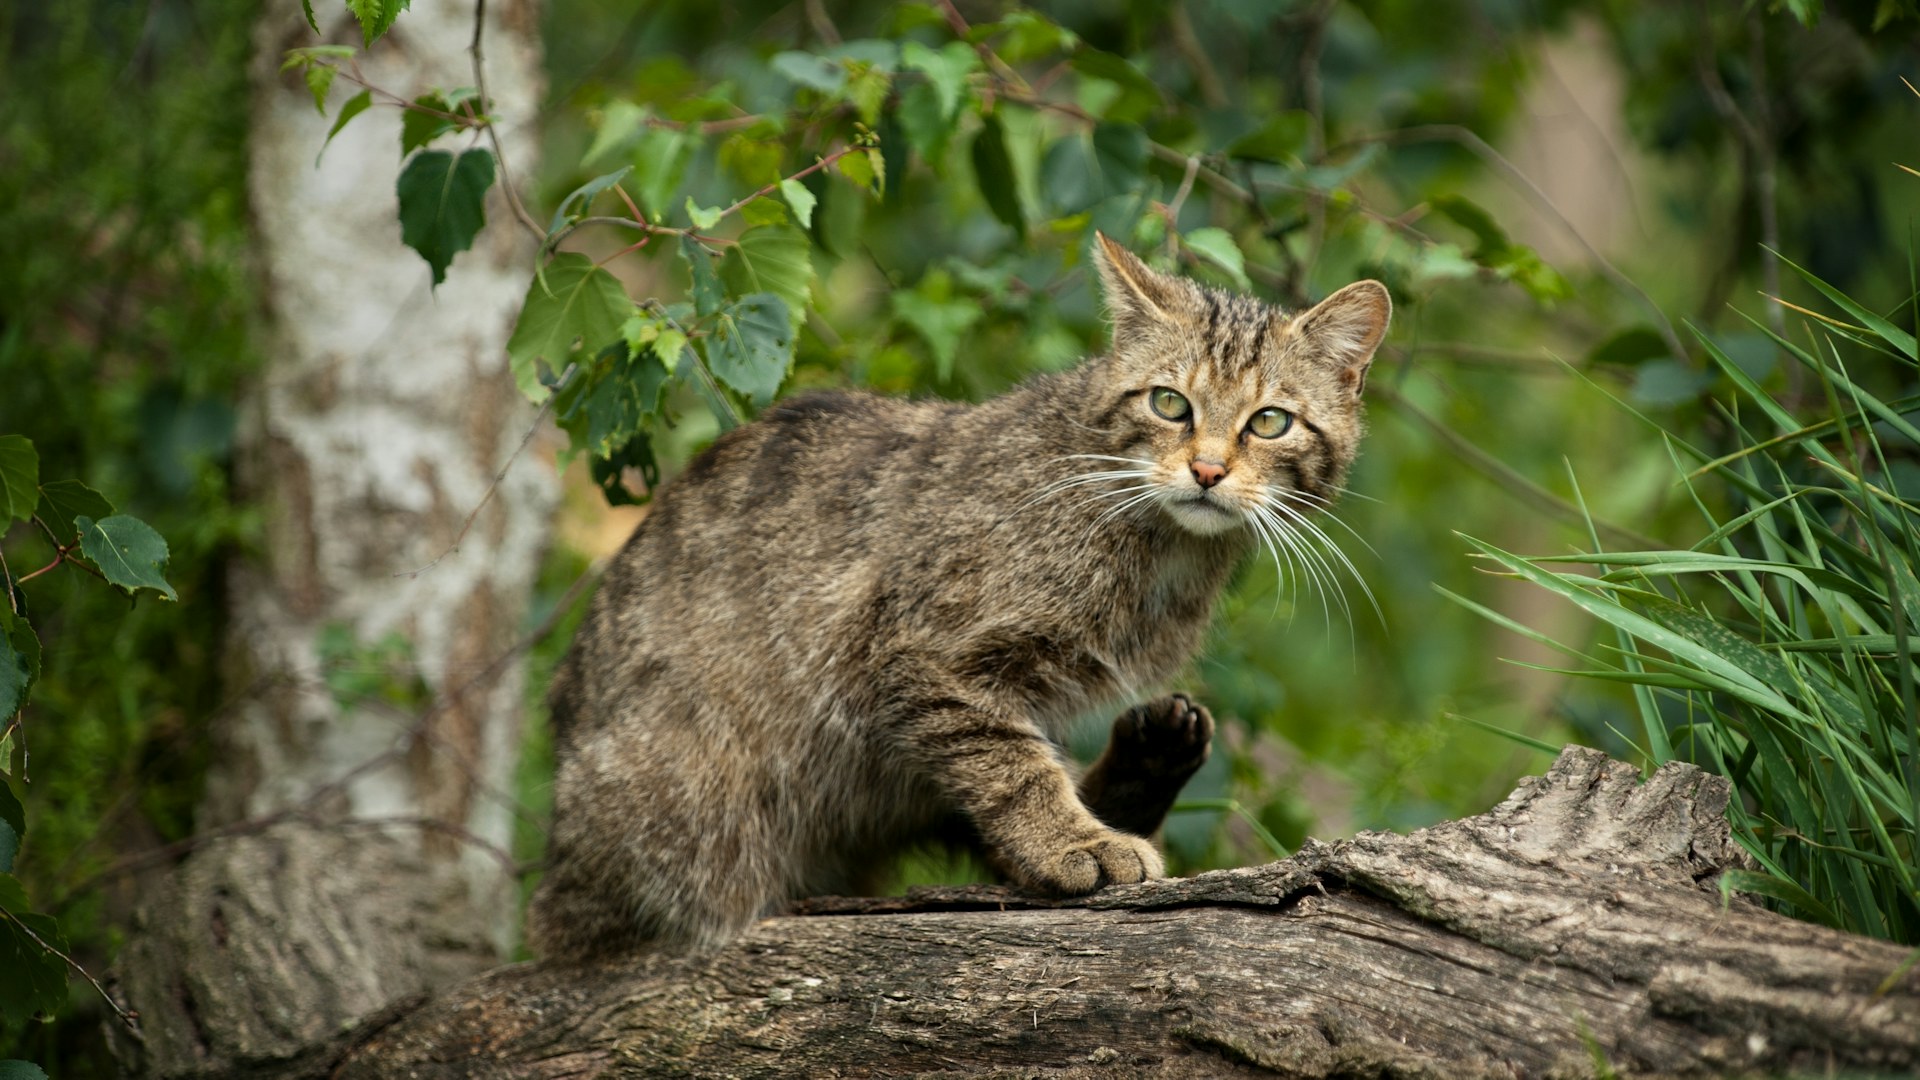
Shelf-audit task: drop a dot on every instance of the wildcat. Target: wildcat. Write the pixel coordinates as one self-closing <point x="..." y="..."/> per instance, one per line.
<point x="861" y="622"/>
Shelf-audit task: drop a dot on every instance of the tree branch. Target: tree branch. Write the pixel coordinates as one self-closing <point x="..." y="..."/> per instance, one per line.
<point x="1577" y="921"/>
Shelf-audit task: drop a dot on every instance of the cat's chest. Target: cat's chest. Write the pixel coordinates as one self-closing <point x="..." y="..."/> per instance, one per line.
<point x="1157" y="617"/>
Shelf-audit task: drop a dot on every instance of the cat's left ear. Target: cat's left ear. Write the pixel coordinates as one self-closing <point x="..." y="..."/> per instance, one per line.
<point x="1137" y="297"/>
<point x="1345" y="329"/>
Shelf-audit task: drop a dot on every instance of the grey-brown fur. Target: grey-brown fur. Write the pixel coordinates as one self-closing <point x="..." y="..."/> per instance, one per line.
<point x="860" y="623"/>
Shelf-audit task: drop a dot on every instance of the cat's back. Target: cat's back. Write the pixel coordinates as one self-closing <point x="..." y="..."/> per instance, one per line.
<point x="813" y="479"/>
<point x="751" y="557"/>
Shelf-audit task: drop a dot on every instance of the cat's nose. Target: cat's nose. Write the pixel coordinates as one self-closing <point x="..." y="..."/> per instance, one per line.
<point x="1208" y="473"/>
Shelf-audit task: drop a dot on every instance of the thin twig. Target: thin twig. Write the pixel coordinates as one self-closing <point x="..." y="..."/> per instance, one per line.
<point x="493" y="133"/>
<point x="1187" y="44"/>
<point x="133" y="1026"/>
<point x="808" y="171"/>
<point x="821" y="22"/>
<point x="466" y="526"/>
<point x="1179" y="200"/>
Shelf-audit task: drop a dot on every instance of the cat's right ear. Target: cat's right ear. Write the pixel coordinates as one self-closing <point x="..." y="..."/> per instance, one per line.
<point x="1137" y="296"/>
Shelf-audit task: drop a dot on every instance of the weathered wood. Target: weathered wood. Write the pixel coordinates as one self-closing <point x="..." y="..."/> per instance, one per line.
<point x="1578" y="918"/>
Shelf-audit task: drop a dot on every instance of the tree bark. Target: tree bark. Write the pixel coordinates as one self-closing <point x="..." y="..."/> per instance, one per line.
<point x="378" y="425"/>
<point x="1573" y="929"/>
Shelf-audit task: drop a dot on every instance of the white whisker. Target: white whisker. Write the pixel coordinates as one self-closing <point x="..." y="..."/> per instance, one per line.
<point x="1326" y="542"/>
<point x="1325" y="508"/>
<point x="1309" y="563"/>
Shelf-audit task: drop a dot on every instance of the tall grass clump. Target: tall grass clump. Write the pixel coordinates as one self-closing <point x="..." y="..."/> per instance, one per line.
<point x="1778" y="650"/>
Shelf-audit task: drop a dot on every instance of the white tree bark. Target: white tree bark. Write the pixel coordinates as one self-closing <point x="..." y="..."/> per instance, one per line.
<point x="381" y="418"/>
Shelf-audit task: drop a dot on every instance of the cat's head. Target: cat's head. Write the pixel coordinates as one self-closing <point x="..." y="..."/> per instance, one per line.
<point x="1227" y="407"/>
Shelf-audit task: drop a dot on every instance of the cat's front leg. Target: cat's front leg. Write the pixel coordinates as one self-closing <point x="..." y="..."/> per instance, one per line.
<point x="1001" y="772"/>
<point x="1153" y="751"/>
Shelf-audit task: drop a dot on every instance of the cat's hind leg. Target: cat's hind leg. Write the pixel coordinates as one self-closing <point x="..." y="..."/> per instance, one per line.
<point x="1153" y="751"/>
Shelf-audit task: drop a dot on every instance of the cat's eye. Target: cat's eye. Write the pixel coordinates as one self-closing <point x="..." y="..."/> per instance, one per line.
<point x="1270" y="423"/>
<point x="1169" y="405"/>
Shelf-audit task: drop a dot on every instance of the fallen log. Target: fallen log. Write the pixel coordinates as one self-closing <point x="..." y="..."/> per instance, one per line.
<point x="1574" y="929"/>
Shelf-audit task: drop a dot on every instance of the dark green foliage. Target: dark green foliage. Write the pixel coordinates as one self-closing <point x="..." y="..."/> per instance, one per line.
<point x="126" y="311"/>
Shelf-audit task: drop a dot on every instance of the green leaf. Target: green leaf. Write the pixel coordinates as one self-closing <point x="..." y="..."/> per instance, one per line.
<point x="811" y="71"/>
<point x="763" y="211"/>
<point x="1120" y="150"/>
<point x="929" y="129"/>
<point x="706" y="290"/>
<point x="993" y="171"/>
<point x="418" y="126"/>
<point x="309" y="55"/>
<point x="1281" y="140"/>
<point x="752" y="345"/>
<point x="800" y="199"/>
<point x="19" y="667"/>
<point x="306" y="8"/>
<point x="355" y="105"/>
<point x="584" y="196"/>
<point x="1138" y="94"/>
<point x="659" y="165"/>
<point x="64" y="500"/>
<point x="13" y="825"/>
<point x="772" y="259"/>
<point x="376" y="16"/>
<point x="1217" y="246"/>
<point x="443" y="204"/>
<point x="623" y="398"/>
<point x="939" y="317"/>
<point x="609" y="473"/>
<point x="14" y="1068"/>
<point x="319" y="81"/>
<point x="867" y="89"/>
<point x="1467" y="214"/>
<point x="620" y="127"/>
<point x="946" y="70"/>
<point x="1629" y="347"/>
<point x="1029" y="35"/>
<point x="703" y="217"/>
<point x="36" y="982"/>
<point x="864" y="168"/>
<point x="19" y="479"/>
<point x="577" y="302"/>
<point x="668" y="347"/>
<point x="128" y="552"/>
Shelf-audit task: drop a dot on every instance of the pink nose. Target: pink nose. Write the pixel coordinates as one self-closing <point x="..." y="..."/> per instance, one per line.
<point x="1208" y="473"/>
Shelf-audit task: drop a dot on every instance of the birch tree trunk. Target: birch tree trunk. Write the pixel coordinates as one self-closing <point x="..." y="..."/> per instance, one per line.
<point x="375" y="871"/>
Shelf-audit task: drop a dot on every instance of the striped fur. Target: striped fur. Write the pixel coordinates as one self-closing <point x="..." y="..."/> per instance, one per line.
<point x="862" y="623"/>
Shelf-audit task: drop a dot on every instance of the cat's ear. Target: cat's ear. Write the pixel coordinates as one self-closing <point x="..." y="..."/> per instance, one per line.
<point x="1345" y="329"/>
<point x="1137" y="296"/>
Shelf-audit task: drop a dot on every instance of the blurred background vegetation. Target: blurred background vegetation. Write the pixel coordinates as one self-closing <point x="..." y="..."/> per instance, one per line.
<point x="1556" y="192"/>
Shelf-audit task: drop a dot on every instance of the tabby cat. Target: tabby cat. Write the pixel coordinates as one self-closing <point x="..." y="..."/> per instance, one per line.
<point x="862" y="623"/>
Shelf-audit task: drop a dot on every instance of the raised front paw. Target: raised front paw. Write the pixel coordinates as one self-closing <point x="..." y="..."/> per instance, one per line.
<point x="1107" y="858"/>
<point x="1168" y="737"/>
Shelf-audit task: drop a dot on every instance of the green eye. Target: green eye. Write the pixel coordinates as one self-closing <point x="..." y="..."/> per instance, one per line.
<point x="1270" y="423"/>
<point x="1169" y="405"/>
